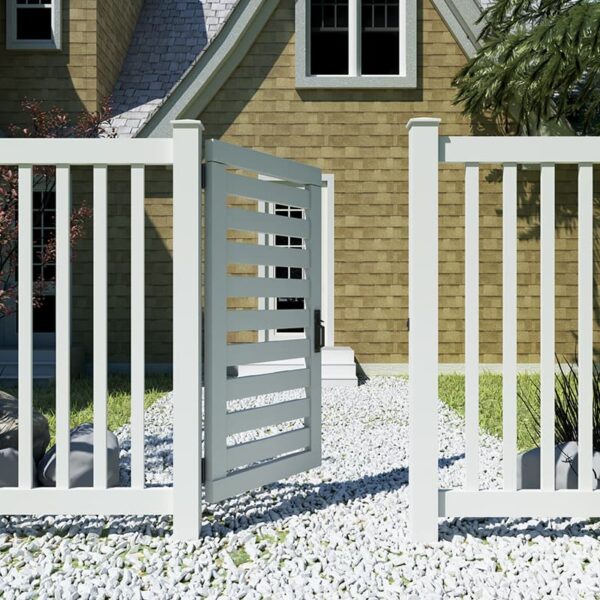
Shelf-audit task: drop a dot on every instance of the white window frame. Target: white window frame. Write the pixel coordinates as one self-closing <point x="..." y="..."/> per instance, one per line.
<point x="12" y="43"/>
<point x="407" y="78"/>
<point x="327" y="267"/>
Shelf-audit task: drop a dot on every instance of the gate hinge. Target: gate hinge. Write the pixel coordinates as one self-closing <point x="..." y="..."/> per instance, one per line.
<point x="319" y="331"/>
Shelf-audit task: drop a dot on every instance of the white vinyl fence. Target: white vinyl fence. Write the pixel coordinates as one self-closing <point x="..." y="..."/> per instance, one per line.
<point x="184" y="153"/>
<point x="427" y="150"/>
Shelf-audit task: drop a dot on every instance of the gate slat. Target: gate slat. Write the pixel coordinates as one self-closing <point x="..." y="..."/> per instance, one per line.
<point x="250" y="320"/>
<point x="585" y="324"/>
<point x="253" y="254"/>
<point x="509" y="326"/>
<point x="241" y="354"/>
<point x="257" y="476"/>
<point x="472" y="325"/>
<point x="266" y="191"/>
<point x="63" y="325"/>
<point x="263" y="416"/>
<point x="25" y="323"/>
<point x="259" y="162"/>
<point x="245" y="220"/>
<point x="137" y="325"/>
<point x="265" y="287"/>
<point x="271" y="447"/>
<point x="547" y="204"/>
<point x="269" y="383"/>
<point x="100" y="276"/>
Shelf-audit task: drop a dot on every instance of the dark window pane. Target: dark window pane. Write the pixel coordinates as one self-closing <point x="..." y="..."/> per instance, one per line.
<point x="367" y="15"/>
<point x="329" y="37"/>
<point x="316" y="15"/>
<point x="329" y="15"/>
<point x="295" y="273"/>
<point x="380" y="16"/>
<point x="393" y="20"/>
<point x="380" y="53"/>
<point x="34" y="24"/>
<point x="281" y="273"/>
<point x="281" y="240"/>
<point x="44" y="316"/>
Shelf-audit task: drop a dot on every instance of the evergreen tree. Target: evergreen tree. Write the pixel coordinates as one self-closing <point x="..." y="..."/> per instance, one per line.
<point x="539" y="62"/>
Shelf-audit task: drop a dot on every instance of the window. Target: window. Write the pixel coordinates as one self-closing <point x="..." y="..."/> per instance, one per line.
<point x="327" y="265"/>
<point x="356" y="43"/>
<point x="289" y="272"/>
<point x="33" y="24"/>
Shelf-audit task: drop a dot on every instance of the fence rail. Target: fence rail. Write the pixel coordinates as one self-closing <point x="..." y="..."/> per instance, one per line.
<point x="427" y="151"/>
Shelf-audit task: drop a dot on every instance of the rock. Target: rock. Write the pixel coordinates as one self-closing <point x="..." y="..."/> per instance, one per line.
<point x="82" y="459"/>
<point x="566" y="467"/>
<point x="9" y="467"/>
<point x="9" y="427"/>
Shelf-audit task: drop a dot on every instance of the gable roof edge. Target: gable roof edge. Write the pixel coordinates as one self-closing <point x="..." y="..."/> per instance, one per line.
<point x="461" y="18"/>
<point x="212" y="68"/>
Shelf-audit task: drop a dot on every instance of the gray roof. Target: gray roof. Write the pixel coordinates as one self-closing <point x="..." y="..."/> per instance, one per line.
<point x="168" y="38"/>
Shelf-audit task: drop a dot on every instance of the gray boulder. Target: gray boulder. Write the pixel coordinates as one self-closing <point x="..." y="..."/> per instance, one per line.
<point x="81" y="459"/>
<point x="9" y="427"/>
<point x="9" y="468"/>
<point x="565" y="467"/>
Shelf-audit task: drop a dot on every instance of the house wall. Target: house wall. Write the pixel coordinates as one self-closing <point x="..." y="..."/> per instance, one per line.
<point x="95" y="36"/>
<point x="361" y="137"/>
<point x="116" y="22"/>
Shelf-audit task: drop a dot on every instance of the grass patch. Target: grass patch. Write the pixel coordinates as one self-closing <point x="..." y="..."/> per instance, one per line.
<point x="452" y="392"/>
<point x="82" y="411"/>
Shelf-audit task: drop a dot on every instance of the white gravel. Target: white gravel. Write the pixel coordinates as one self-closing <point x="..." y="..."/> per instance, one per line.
<point x="338" y="531"/>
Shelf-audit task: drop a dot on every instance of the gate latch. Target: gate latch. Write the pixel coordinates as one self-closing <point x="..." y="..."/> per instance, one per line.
<point x="319" y="331"/>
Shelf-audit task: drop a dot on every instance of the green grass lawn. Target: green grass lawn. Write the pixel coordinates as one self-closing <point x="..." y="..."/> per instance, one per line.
<point x="119" y="399"/>
<point x="452" y="392"/>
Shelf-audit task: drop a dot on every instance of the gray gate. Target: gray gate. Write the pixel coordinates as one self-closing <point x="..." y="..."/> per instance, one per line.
<point x="253" y="442"/>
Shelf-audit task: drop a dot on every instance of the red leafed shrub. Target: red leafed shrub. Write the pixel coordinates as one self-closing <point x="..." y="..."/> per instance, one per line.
<point x="42" y="123"/>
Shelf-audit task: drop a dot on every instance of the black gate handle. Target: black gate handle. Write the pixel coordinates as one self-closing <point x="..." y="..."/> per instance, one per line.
<point x="319" y="331"/>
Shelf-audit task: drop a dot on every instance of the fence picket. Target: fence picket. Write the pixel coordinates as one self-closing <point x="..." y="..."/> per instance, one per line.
<point x="509" y="326"/>
<point x="585" y="323"/>
<point x="547" y="282"/>
<point x="63" y="325"/>
<point x="25" y="322"/>
<point x="137" y="325"/>
<point x="472" y="325"/>
<point x="100" y="256"/>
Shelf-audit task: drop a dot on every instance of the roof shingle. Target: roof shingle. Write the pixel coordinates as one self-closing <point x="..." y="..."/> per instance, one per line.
<point x="169" y="36"/>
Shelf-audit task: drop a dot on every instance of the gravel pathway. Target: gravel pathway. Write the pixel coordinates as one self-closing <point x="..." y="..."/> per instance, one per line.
<point x="338" y="531"/>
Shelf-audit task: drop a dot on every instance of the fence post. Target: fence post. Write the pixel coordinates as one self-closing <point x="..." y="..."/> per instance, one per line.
<point x="187" y="329"/>
<point x="423" y="157"/>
